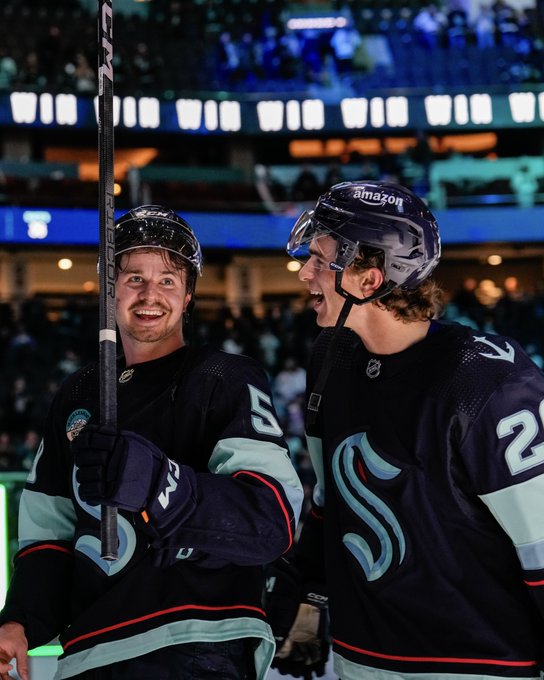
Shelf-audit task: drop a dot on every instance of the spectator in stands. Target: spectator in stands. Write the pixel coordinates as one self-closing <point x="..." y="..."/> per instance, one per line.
<point x="389" y="164"/>
<point x="344" y="42"/>
<point x="232" y="343"/>
<point x="69" y="363"/>
<point x="31" y="75"/>
<point x="25" y="451"/>
<point x="467" y="303"/>
<point x="506" y="22"/>
<point x="313" y="56"/>
<point x="229" y="59"/>
<point x="512" y="314"/>
<point x="19" y="408"/>
<point x="484" y="27"/>
<point x="289" y="53"/>
<point x="50" y="47"/>
<point x="525" y="185"/>
<point x="368" y="168"/>
<point x="22" y="350"/>
<point x="81" y="75"/>
<point x="422" y="155"/>
<point x="429" y="25"/>
<point x="333" y="175"/>
<point x="7" y="452"/>
<point x="289" y="383"/>
<point x="269" y="344"/>
<point x="306" y="186"/>
<point x="144" y="66"/>
<point x="457" y="26"/>
<point x="8" y="69"/>
<point x="247" y="68"/>
<point x="269" y="54"/>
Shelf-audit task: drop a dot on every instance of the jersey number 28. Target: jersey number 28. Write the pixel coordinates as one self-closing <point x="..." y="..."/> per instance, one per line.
<point x="520" y="455"/>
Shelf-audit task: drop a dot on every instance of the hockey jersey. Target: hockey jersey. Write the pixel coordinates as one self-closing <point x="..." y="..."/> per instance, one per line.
<point x="203" y="581"/>
<point x="429" y="507"/>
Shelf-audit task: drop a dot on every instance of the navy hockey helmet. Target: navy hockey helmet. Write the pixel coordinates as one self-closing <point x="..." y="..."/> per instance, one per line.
<point x="153" y="226"/>
<point x="379" y="216"/>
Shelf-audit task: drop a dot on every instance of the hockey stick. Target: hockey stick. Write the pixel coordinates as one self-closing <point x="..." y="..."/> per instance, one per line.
<point x="106" y="254"/>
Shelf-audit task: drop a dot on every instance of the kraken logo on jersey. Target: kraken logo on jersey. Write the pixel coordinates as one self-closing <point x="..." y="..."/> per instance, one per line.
<point x="76" y="421"/>
<point x="371" y="510"/>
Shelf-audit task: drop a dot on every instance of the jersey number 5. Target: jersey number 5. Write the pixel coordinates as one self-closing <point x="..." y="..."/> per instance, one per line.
<point x="520" y="455"/>
<point x="263" y="418"/>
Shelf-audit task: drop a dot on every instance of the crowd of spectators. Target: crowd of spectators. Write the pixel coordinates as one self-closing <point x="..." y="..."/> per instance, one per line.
<point x="251" y="46"/>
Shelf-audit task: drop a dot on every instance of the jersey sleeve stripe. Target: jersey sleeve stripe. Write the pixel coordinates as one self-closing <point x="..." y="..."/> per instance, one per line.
<point x="534" y="584"/>
<point x="519" y="510"/>
<point x="279" y="499"/>
<point x="44" y="546"/>
<point x="45" y="518"/>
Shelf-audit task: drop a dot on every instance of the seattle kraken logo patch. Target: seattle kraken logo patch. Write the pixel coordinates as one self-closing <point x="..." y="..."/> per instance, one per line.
<point x="376" y="516"/>
<point x="76" y="421"/>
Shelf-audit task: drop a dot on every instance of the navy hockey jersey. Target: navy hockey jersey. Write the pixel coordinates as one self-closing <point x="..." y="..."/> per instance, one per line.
<point x="208" y="410"/>
<point x="430" y="507"/>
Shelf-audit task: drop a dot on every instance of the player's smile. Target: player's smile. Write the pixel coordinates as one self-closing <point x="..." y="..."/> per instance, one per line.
<point x="318" y="299"/>
<point x="148" y="315"/>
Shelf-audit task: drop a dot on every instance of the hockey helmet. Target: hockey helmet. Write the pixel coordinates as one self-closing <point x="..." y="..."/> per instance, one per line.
<point x="153" y="226"/>
<point x="376" y="216"/>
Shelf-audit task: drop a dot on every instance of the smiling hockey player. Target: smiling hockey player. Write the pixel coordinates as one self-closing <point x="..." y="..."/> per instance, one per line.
<point x="199" y="471"/>
<point x="427" y="439"/>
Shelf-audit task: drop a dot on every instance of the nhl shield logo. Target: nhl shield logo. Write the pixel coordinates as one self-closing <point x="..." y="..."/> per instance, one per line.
<point x="126" y="375"/>
<point x="373" y="368"/>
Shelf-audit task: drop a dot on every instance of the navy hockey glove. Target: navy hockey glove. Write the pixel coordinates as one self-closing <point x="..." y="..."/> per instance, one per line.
<point x="124" y="470"/>
<point x="298" y="617"/>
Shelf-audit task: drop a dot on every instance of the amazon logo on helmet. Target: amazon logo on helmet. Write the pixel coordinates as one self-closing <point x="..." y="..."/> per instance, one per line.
<point x="377" y="198"/>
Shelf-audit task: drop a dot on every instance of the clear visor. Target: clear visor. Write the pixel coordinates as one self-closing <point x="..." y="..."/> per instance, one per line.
<point x="305" y="233"/>
<point x="308" y="245"/>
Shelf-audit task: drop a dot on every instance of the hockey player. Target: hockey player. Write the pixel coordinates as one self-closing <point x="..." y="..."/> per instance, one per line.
<point x="201" y="476"/>
<point x="427" y="440"/>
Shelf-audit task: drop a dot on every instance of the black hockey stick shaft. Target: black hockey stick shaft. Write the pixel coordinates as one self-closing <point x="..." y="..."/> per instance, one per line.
<point x="106" y="254"/>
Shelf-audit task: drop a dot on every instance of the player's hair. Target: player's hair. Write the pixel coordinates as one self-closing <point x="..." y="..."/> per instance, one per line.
<point x="423" y="303"/>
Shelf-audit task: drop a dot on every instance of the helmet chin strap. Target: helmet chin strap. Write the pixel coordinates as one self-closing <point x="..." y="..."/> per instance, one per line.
<point x="316" y="396"/>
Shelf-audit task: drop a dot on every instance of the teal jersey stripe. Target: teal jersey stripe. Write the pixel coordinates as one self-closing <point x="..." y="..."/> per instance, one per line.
<point x="176" y="633"/>
<point x="45" y="518"/>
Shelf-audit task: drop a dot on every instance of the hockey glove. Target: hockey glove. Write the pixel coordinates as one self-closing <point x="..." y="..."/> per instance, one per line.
<point x="124" y="470"/>
<point x="298" y="618"/>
